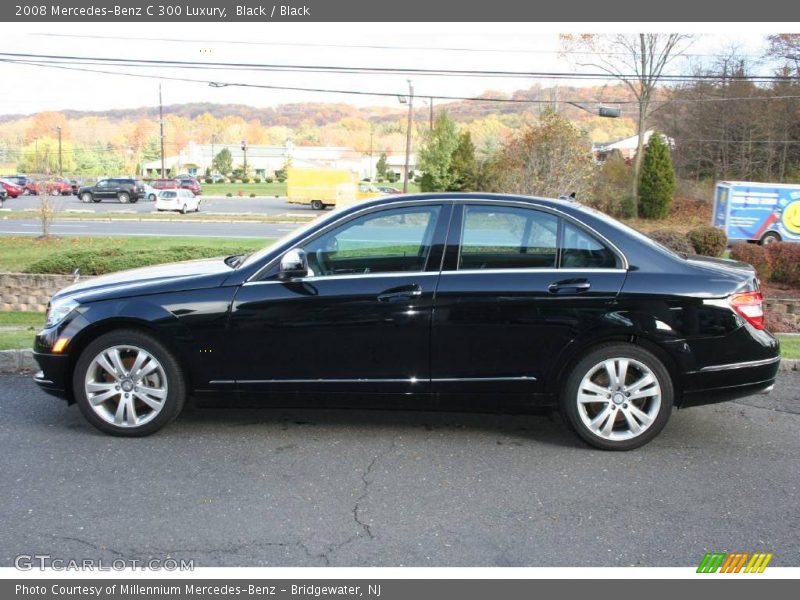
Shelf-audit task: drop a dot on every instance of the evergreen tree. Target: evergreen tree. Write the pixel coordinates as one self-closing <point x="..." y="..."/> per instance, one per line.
<point x="382" y="167"/>
<point x="657" y="183"/>
<point x="463" y="166"/>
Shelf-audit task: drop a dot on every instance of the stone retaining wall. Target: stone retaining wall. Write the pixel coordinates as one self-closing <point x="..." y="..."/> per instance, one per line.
<point x="787" y="308"/>
<point x="27" y="291"/>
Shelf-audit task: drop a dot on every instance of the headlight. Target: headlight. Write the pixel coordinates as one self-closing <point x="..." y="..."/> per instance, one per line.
<point x="58" y="311"/>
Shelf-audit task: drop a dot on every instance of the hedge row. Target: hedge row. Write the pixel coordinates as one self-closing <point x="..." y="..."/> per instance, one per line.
<point x="775" y="263"/>
<point x="94" y="262"/>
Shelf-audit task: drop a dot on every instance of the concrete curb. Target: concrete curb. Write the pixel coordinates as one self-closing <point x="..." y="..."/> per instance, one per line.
<point x="14" y="361"/>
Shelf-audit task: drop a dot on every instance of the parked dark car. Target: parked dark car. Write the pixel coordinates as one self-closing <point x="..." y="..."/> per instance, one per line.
<point x="191" y="184"/>
<point x="3" y="195"/>
<point x="438" y="300"/>
<point x="386" y="189"/>
<point x="123" y="189"/>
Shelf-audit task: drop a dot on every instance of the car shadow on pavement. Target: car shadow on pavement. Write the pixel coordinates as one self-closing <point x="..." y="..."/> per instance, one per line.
<point x="545" y="427"/>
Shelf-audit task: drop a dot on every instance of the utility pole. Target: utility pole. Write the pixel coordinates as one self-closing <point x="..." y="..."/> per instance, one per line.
<point x="211" y="164"/>
<point x="371" y="134"/>
<point x="244" y="150"/>
<point x="60" y="163"/>
<point x="408" y="133"/>
<point x="161" y="125"/>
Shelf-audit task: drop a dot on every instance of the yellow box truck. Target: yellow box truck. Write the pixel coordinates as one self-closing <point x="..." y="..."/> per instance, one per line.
<point x="320" y="188"/>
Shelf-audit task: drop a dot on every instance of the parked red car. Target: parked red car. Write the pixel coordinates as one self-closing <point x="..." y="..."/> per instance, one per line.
<point x="12" y="189"/>
<point x="56" y="186"/>
<point x="191" y="184"/>
<point x="166" y="184"/>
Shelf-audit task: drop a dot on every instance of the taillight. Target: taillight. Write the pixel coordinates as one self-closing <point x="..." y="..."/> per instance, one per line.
<point x="749" y="305"/>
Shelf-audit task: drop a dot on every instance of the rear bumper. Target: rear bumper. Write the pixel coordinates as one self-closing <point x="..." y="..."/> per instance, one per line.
<point x="720" y="383"/>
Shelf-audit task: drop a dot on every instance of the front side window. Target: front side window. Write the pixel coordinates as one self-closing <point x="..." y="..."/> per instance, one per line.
<point x="508" y="237"/>
<point x="395" y="240"/>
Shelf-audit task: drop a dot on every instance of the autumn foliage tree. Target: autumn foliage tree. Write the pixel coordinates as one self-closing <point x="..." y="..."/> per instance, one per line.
<point x="549" y="158"/>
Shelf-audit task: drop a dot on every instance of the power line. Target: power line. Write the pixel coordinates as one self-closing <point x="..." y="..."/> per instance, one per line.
<point x="416" y="71"/>
<point x="368" y="46"/>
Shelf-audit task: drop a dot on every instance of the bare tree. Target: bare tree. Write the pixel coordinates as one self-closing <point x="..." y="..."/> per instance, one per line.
<point x="638" y="61"/>
<point x="48" y="205"/>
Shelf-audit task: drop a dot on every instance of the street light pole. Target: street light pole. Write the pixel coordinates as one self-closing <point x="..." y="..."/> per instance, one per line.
<point x="408" y="134"/>
<point x="60" y="163"/>
<point x="161" y="126"/>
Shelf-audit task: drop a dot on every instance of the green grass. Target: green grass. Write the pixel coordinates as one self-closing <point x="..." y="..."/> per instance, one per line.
<point x="18" y="254"/>
<point x="259" y="189"/>
<point x="790" y="346"/>
<point x="17" y="329"/>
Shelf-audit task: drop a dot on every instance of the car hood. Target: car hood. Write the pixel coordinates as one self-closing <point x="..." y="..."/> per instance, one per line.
<point x="172" y="277"/>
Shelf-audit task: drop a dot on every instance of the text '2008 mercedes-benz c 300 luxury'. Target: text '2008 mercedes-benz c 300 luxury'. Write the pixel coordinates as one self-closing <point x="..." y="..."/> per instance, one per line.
<point x="487" y="302"/>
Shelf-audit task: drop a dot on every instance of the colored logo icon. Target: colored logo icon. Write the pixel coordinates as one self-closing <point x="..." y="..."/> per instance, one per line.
<point x="734" y="562"/>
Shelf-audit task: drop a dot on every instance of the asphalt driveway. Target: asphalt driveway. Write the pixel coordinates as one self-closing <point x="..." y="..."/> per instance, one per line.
<point x="353" y="488"/>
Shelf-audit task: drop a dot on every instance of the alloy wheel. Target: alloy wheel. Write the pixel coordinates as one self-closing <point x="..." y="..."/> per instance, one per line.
<point x="126" y="386"/>
<point x="619" y="399"/>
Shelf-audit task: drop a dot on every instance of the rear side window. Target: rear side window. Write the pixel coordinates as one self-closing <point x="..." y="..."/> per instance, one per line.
<point x="507" y="237"/>
<point x="581" y="251"/>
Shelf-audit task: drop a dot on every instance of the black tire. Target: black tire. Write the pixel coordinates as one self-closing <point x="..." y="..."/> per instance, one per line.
<point x="317" y="205"/>
<point x="124" y="197"/>
<point x="134" y="199"/>
<point x="570" y="405"/>
<point x="769" y="238"/>
<point x="86" y="197"/>
<point x="176" y="384"/>
<point x="183" y="210"/>
<point x="152" y="197"/>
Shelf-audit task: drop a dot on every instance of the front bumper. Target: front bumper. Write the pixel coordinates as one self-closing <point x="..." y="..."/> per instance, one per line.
<point x="54" y="375"/>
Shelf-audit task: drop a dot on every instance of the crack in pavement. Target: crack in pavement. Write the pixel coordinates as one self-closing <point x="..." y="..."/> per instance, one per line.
<point x="780" y="410"/>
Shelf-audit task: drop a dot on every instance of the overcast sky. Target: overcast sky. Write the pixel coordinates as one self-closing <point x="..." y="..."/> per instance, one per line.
<point x="515" y="47"/>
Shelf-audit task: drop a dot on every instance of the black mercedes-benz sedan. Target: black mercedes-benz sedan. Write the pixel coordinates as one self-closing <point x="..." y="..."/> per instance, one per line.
<point x="477" y="301"/>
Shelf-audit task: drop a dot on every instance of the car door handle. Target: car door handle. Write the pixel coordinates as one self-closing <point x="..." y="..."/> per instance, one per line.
<point x="400" y="293"/>
<point x="569" y="285"/>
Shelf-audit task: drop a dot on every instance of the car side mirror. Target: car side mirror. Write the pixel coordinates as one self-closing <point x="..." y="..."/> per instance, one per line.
<point x="294" y="264"/>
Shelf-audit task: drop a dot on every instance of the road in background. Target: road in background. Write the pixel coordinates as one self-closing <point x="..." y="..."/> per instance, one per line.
<point x="276" y="487"/>
<point x="124" y="227"/>
<point x="235" y="205"/>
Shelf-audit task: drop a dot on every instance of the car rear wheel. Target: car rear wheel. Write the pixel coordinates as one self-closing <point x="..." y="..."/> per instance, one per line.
<point x="86" y="197"/>
<point x="317" y="205"/>
<point x="124" y="198"/>
<point x="618" y="397"/>
<point x="127" y="383"/>
<point x="770" y="238"/>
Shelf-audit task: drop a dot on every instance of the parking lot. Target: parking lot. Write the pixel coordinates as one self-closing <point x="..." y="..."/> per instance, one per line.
<point x="235" y="205"/>
<point x="361" y="488"/>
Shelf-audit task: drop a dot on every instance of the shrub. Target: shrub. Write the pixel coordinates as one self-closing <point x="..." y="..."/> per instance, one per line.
<point x="708" y="241"/>
<point x="784" y="258"/>
<point x="229" y="195"/>
<point x="269" y="179"/>
<point x="98" y="262"/>
<point x="240" y="193"/>
<point x="208" y="180"/>
<point x="245" y="180"/>
<point x="755" y="255"/>
<point x="672" y="239"/>
<point x="256" y="179"/>
<point x="252" y="195"/>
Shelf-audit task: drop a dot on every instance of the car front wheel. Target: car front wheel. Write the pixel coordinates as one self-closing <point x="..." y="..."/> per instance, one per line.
<point x="618" y="397"/>
<point x="127" y="383"/>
